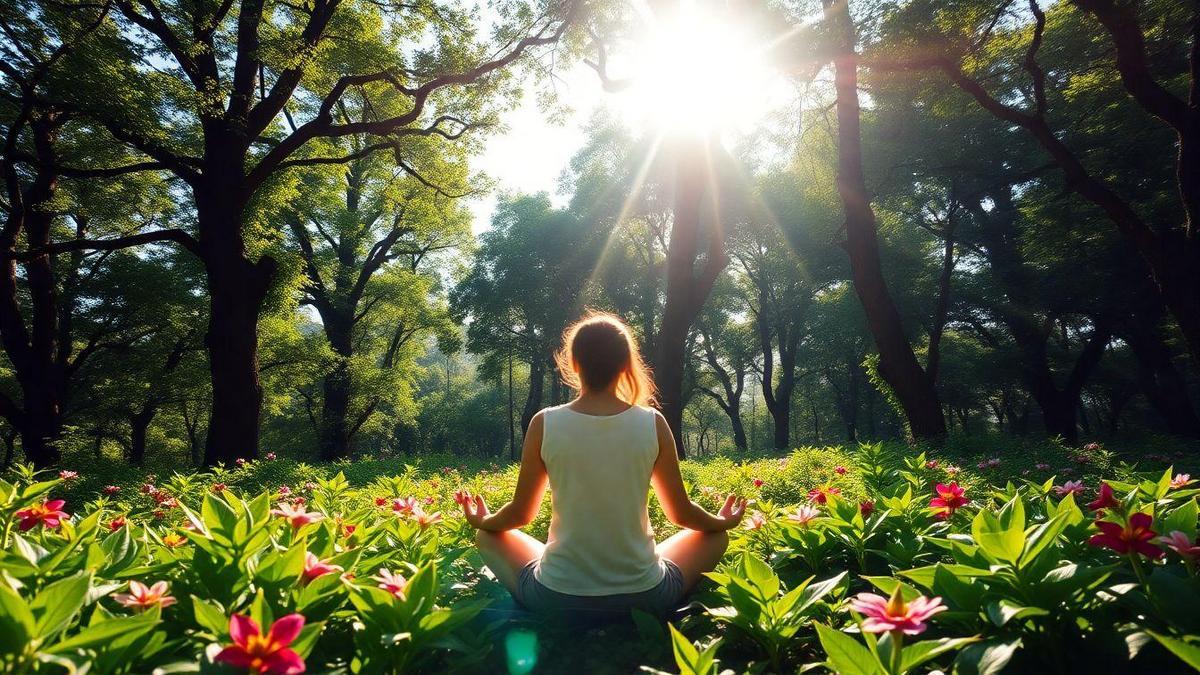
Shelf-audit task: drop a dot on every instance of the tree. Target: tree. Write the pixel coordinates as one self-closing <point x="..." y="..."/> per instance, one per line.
<point x="229" y="97"/>
<point x="726" y="353"/>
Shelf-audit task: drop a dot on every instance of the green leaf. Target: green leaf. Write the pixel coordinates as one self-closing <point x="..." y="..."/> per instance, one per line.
<point x="210" y="616"/>
<point x="920" y="652"/>
<point x="1042" y="536"/>
<point x="58" y="603"/>
<point x="17" y="624"/>
<point x="1001" y="537"/>
<point x="846" y="655"/>
<point x="1182" y="519"/>
<point x="985" y="658"/>
<point x="108" y="629"/>
<point x="1003" y="611"/>
<point x="1187" y="651"/>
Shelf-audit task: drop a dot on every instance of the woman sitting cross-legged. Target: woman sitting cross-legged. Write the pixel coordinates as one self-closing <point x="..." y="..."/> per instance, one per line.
<point x="600" y="455"/>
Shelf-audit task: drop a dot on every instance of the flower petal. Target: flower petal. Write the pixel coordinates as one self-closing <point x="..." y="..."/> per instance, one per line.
<point x="242" y="628"/>
<point x="286" y="629"/>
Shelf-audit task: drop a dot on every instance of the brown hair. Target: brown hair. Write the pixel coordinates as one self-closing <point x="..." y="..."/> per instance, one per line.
<point x="598" y="349"/>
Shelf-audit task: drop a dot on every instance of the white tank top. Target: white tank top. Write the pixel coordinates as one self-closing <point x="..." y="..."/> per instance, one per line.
<point x="600" y="539"/>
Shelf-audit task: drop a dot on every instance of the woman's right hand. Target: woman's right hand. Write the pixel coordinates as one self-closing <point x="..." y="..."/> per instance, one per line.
<point x="475" y="510"/>
<point x="732" y="511"/>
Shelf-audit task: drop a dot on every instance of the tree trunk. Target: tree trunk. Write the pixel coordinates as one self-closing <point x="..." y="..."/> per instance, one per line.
<point x="138" y="424"/>
<point x="237" y="289"/>
<point x="512" y="430"/>
<point x="533" y="402"/>
<point x="335" y="427"/>
<point x="1158" y="378"/>
<point x="942" y="309"/>
<point x="897" y="363"/>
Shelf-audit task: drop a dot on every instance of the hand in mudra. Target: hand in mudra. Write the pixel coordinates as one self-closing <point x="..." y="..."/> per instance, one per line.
<point x="732" y="511"/>
<point x="473" y="506"/>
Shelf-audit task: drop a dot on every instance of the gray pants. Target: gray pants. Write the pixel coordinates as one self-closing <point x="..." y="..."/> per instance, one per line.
<point x="660" y="600"/>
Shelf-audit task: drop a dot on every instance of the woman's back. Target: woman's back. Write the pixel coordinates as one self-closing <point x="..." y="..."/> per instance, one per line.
<point x="599" y="467"/>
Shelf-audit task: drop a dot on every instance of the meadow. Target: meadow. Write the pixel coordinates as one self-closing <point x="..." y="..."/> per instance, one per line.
<point x="869" y="559"/>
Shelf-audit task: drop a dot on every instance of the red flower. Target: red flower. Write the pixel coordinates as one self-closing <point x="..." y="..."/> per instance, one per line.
<point x="218" y="487"/>
<point x="116" y="523"/>
<point x="821" y="494"/>
<point x="404" y="505"/>
<point x="931" y="464"/>
<point x="866" y="507"/>
<point x="48" y="514"/>
<point x="884" y="615"/>
<point x="948" y="500"/>
<point x="159" y="514"/>
<point x="380" y="501"/>
<point x="1105" y="499"/>
<point x="758" y="482"/>
<point x="259" y="653"/>
<point x="839" y="470"/>
<point x="285" y="490"/>
<point x="111" y="489"/>
<point x="1133" y="537"/>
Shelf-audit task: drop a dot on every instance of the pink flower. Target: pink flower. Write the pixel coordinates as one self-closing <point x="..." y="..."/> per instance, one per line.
<point x="866" y="507"/>
<point x="148" y="488"/>
<point x="68" y="475"/>
<point x="948" y="500"/>
<point x="1105" y="499"/>
<point x="884" y="615"/>
<point x="755" y="521"/>
<point x="259" y="653"/>
<point x="426" y="519"/>
<point x="116" y="523"/>
<point x="931" y="464"/>
<point x="1180" y="479"/>
<point x="821" y="494"/>
<point x="1042" y="466"/>
<point x="430" y="500"/>
<point x="299" y="501"/>
<point x="310" y="486"/>
<point x="839" y="470"/>
<point x="758" y="482"/>
<point x="170" y="503"/>
<point x="240" y="462"/>
<point x="142" y="597"/>
<point x="296" y="515"/>
<point x="1178" y="541"/>
<point x="47" y="514"/>
<point x="993" y="463"/>
<point x="111" y="489"/>
<point x="1092" y="447"/>
<point x="404" y="505"/>
<point x="315" y="567"/>
<point x="270" y="456"/>
<point x="953" y="470"/>
<point x="1130" y="538"/>
<point x="284" y="490"/>
<point x="804" y="514"/>
<point x="395" y="584"/>
<point x="1070" y="487"/>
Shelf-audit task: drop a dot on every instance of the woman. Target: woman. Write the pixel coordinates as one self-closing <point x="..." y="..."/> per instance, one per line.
<point x="600" y="453"/>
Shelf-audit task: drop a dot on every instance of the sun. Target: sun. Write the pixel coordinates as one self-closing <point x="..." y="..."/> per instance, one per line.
<point x="698" y="70"/>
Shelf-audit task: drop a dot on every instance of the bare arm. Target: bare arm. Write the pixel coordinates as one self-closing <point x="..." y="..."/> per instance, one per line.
<point x="527" y="498"/>
<point x="676" y="505"/>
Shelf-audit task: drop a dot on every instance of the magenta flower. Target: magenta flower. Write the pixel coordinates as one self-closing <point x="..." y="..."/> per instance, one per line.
<point x="1071" y="487"/>
<point x="141" y="596"/>
<point x="884" y="615"/>
<point x="866" y="507"/>
<point x="315" y="567"/>
<point x="1180" y="479"/>
<point x="804" y="514"/>
<point x="949" y="499"/>
<point x="270" y="456"/>
<point x="111" y="489"/>
<point x="821" y="494"/>
<point x="47" y="514"/>
<point x="259" y="653"/>
<point x="284" y="490"/>
<point x="839" y="470"/>
<point x="1178" y="541"/>
<point x="1105" y="500"/>
<point x="931" y="464"/>
<point x="395" y="584"/>
<point x="296" y="515"/>
<point x="1130" y="538"/>
<point x="68" y="475"/>
<point x="405" y="506"/>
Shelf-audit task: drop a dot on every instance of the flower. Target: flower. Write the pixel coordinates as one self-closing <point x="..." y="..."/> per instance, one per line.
<point x="68" y="475"/>
<point x="953" y="470"/>
<point x="755" y="521"/>
<point x="395" y="584"/>
<point x="159" y="514"/>
<point x="866" y="507"/>
<point x="1180" y="479"/>
<point x="1042" y="466"/>
<point x="426" y="519"/>
<point x="284" y="490"/>
<point x="884" y="615"/>
<point x="380" y="501"/>
<point x="1132" y="537"/>
<point x="49" y="514"/>
<point x="931" y="464"/>
<point x="1178" y="541"/>
<point x="315" y="567"/>
<point x="174" y="540"/>
<point x="839" y="470"/>
<point x="296" y="515"/>
<point x="430" y="500"/>
<point x="758" y="482"/>
<point x="148" y="488"/>
<point x="170" y="503"/>
<point x="240" y="462"/>
<point x="218" y="487"/>
<point x="116" y="523"/>
<point x="1092" y="447"/>
<point x="299" y="501"/>
<point x="260" y="653"/>
<point x="404" y="505"/>
<point x="1105" y="499"/>
<point x="141" y="596"/>
<point x="310" y="486"/>
<point x="821" y="494"/>
<point x="1070" y="487"/>
<point x="948" y="500"/>
<point x="270" y="456"/>
<point x="111" y="489"/>
<point x="804" y="514"/>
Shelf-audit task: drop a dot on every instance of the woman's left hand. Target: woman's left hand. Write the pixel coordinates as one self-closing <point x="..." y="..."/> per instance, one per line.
<point x="475" y="510"/>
